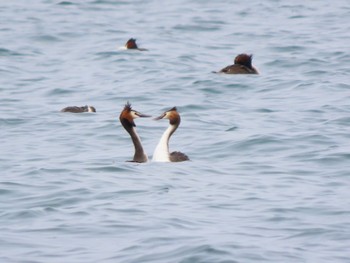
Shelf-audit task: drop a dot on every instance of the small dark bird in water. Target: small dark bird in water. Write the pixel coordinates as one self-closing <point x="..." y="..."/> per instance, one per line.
<point x="76" y="109"/>
<point x="131" y="44"/>
<point x="242" y="65"/>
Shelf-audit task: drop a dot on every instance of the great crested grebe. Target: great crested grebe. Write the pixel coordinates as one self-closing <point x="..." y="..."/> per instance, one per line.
<point x="242" y="65"/>
<point x="131" y="44"/>
<point x="76" y="109"/>
<point x="126" y="118"/>
<point x="161" y="153"/>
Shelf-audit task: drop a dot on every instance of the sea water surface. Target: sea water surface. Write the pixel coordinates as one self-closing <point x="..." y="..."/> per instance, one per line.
<point x="269" y="175"/>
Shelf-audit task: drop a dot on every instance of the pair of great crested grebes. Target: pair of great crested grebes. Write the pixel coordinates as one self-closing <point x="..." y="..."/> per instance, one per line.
<point x="161" y="153"/>
<point x="127" y="116"/>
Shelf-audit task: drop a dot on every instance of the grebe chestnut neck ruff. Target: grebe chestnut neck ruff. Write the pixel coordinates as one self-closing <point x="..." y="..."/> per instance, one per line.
<point x="161" y="153"/>
<point x="126" y="118"/>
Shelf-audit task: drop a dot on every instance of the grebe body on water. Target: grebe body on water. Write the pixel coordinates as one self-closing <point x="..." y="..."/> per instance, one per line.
<point x="161" y="153"/>
<point x="242" y="65"/>
<point x="131" y="44"/>
<point x="126" y="118"/>
<point x="76" y="109"/>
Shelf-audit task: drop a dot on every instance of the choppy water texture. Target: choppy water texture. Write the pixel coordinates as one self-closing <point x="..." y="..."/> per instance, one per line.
<point x="268" y="179"/>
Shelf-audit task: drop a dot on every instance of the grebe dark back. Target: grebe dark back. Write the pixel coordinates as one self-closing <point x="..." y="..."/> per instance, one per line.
<point x="76" y="109"/>
<point x="242" y="65"/>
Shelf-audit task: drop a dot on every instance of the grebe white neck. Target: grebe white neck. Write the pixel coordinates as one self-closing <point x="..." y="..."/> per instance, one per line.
<point x="161" y="153"/>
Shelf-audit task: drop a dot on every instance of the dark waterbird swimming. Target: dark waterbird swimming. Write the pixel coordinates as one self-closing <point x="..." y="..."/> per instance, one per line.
<point x="242" y="65"/>
<point x="76" y="109"/>
<point x="131" y="44"/>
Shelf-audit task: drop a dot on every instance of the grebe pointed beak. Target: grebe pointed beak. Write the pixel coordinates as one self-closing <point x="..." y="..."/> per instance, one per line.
<point x="142" y="115"/>
<point x="159" y="117"/>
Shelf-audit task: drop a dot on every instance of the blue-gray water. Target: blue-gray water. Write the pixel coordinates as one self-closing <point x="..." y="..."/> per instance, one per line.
<point x="269" y="175"/>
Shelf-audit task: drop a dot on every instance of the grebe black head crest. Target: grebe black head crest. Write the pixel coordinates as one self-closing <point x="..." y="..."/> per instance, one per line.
<point x="244" y="59"/>
<point x="128" y="107"/>
<point x="128" y="115"/>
